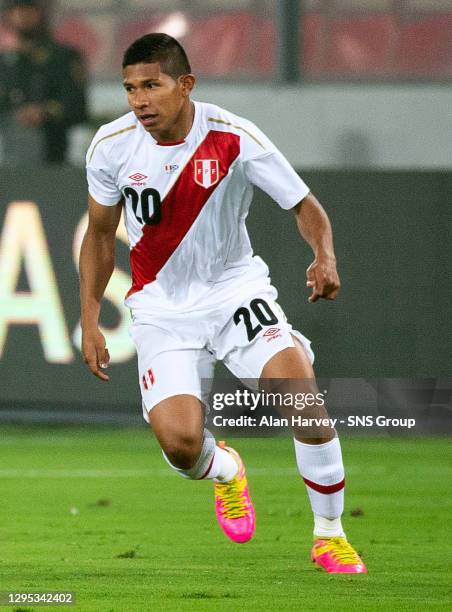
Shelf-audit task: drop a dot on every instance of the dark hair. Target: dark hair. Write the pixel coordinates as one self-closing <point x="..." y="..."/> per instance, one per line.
<point x="160" y="48"/>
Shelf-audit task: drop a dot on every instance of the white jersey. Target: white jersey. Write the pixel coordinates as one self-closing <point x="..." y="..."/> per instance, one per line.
<point x="186" y="203"/>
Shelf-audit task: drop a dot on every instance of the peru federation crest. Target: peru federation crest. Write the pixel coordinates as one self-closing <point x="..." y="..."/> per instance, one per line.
<point x="207" y="172"/>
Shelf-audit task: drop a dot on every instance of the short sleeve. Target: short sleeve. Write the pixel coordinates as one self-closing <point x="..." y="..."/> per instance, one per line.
<point x="273" y="174"/>
<point x="267" y="168"/>
<point x="101" y="184"/>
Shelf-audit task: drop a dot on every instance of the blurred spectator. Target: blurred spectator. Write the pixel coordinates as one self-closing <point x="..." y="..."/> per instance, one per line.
<point x="42" y="87"/>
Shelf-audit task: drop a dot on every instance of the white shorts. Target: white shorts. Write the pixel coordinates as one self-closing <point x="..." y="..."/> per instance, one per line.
<point x="177" y="353"/>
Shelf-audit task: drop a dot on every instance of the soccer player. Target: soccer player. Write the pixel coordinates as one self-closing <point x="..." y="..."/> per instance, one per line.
<point x="183" y="172"/>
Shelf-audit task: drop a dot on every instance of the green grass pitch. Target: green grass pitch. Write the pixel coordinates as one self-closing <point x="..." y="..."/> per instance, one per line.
<point x="97" y="511"/>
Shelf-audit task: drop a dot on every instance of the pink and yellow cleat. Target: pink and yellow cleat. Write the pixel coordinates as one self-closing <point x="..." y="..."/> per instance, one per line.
<point x="233" y="505"/>
<point x="336" y="556"/>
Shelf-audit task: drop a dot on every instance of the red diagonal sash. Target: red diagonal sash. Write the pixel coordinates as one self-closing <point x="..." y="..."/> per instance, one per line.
<point x="180" y="208"/>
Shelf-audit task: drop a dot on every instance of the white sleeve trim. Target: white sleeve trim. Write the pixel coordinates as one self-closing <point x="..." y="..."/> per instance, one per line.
<point x="303" y="193"/>
<point x="102" y="200"/>
<point x="273" y="174"/>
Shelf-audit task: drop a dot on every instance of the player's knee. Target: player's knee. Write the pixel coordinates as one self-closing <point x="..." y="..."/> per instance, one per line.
<point x="183" y="451"/>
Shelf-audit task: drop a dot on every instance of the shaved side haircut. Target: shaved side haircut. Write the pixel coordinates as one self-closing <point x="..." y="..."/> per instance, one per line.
<point x="160" y="48"/>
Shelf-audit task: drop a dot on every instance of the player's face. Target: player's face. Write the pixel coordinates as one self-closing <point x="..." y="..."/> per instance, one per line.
<point x="159" y="101"/>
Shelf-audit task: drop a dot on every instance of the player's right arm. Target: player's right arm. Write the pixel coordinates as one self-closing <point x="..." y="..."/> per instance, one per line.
<point x="97" y="259"/>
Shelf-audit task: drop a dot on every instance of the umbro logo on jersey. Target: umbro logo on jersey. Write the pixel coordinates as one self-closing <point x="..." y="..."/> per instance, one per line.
<point x="207" y="172"/>
<point x="138" y="178"/>
<point x="170" y="168"/>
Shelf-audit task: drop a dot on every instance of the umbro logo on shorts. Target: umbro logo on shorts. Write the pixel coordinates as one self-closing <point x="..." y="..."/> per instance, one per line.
<point x="272" y="333"/>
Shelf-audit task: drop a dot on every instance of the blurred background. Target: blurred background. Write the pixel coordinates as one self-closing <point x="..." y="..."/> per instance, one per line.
<point x="364" y="82"/>
<point x="356" y="93"/>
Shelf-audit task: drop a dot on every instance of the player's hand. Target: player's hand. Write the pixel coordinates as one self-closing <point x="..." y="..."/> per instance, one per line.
<point x="95" y="352"/>
<point x="323" y="279"/>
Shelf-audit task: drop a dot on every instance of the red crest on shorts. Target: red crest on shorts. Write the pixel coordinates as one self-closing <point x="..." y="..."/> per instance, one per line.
<point x="207" y="172"/>
<point x="148" y="379"/>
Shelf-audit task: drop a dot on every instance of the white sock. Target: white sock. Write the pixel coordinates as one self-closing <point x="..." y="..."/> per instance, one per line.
<point x="328" y="528"/>
<point x="224" y="466"/>
<point x="213" y="462"/>
<point x="322" y="470"/>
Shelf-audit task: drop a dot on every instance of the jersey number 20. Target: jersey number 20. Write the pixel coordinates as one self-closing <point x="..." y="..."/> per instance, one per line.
<point x="146" y="194"/>
<point x="264" y="314"/>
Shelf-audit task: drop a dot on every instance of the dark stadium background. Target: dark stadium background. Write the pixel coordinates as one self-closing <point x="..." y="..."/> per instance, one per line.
<point x="357" y="94"/>
<point x="393" y="248"/>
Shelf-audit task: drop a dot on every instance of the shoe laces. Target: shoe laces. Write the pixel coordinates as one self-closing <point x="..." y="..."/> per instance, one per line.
<point x="341" y="550"/>
<point x="233" y="501"/>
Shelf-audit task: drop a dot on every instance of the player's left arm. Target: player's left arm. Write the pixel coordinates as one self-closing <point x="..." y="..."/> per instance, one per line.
<point x="267" y="168"/>
<point x="315" y="227"/>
